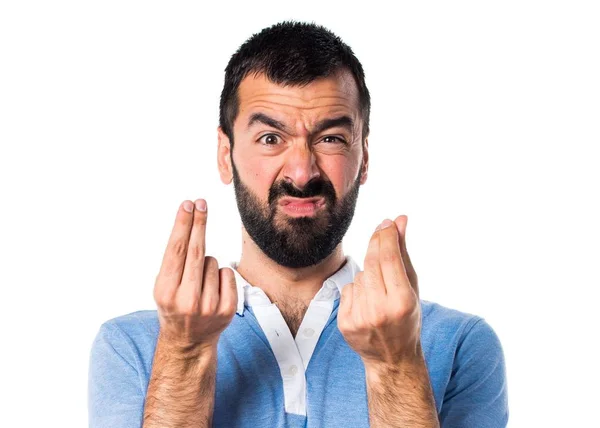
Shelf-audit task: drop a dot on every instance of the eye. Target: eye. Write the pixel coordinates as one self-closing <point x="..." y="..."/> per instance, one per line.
<point x="269" y="139"/>
<point x="334" y="139"/>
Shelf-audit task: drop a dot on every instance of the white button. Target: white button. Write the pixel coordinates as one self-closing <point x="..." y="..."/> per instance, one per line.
<point x="293" y="370"/>
<point x="308" y="332"/>
<point x="329" y="283"/>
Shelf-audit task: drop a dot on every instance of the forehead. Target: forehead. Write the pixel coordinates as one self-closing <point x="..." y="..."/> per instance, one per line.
<point x="334" y="94"/>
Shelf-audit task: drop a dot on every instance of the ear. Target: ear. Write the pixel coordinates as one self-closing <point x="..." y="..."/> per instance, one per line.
<point x="224" y="157"/>
<point x="365" y="162"/>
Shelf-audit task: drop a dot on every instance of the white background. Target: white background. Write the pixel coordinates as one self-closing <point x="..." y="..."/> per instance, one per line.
<point x="485" y="125"/>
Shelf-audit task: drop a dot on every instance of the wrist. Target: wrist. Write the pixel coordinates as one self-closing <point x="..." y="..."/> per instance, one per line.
<point x="412" y="354"/>
<point x="187" y="351"/>
<point x="411" y="366"/>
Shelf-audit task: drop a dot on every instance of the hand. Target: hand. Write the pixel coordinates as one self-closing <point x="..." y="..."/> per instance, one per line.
<point x="196" y="300"/>
<point x="380" y="313"/>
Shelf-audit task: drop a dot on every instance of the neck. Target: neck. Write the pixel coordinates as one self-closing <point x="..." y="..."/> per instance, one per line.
<point x="281" y="283"/>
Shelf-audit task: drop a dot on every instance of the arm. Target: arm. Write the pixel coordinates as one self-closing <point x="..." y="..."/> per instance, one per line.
<point x="380" y="318"/>
<point x="196" y="301"/>
<point x="400" y="395"/>
<point x="181" y="391"/>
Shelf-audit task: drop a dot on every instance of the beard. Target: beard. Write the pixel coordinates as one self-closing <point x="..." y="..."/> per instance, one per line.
<point x="296" y="242"/>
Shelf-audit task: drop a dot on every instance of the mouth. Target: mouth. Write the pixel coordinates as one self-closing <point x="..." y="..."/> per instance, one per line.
<point x="298" y="207"/>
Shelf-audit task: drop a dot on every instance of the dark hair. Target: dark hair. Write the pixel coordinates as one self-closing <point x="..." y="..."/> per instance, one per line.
<point x="290" y="53"/>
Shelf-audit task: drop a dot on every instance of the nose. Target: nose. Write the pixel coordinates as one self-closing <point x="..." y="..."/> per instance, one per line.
<point x="300" y="166"/>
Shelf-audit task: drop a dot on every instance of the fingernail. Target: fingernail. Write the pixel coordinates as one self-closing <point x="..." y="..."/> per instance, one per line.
<point x="188" y="206"/>
<point x="201" y="205"/>
<point x="384" y="224"/>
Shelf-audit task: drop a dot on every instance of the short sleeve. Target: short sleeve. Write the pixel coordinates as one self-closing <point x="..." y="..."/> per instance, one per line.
<point x="115" y="396"/>
<point x="476" y="395"/>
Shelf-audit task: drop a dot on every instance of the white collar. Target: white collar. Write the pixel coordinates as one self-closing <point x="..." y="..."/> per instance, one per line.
<point x="331" y="289"/>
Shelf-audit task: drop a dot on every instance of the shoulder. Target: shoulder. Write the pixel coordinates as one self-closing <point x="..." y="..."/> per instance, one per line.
<point x="467" y="350"/>
<point x="136" y="330"/>
<point x="125" y="345"/>
<point x="443" y="319"/>
<point x="467" y="366"/>
<point x="119" y="368"/>
<point x="133" y="324"/>
<point x="459" y="332"/>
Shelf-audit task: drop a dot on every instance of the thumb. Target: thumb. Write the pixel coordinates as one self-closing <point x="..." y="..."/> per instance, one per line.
<point x="401" y="223"/>
<point x="346" y="301"/>
<point x="228" y="298"/>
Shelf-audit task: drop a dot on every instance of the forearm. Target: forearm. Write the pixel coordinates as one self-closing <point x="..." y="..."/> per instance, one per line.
<point x="181" y="391"/>
<point x="400" y="396"/>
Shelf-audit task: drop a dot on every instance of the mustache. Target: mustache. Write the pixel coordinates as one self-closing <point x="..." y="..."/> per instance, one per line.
<point x="312" y="189"/>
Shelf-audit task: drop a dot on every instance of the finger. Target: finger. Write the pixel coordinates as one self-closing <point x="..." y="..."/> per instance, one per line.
<point x="193" y="270"/>
<point x="345" y="309"/>
<point x="210" y="287"/>
<point x="373" y="279"/>
<point x="171" y="269"/>
<point x="228" y="298"/>
<point x="360" y="304"/>
<point x="390" y="258"/>
<point x="401" y="223"/>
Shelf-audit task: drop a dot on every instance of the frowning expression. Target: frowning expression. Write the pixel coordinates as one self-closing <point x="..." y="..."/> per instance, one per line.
<point x="298" y="159"/>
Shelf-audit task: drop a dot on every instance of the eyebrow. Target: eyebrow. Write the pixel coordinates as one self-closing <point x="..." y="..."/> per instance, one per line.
<point x="341" y="121"/>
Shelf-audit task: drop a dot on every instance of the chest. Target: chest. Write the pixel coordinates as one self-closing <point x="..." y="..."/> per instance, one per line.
<point x="266" y="377"/>
<point x="254" y="388"/>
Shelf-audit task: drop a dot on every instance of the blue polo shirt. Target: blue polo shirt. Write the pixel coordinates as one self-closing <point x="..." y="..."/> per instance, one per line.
<point x="463" y="354"/>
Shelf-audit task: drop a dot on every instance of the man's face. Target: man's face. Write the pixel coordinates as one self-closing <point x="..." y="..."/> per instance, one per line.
<point x="296" y="165"/>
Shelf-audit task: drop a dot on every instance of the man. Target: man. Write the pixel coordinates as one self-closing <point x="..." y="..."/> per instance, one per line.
<point x="295" y="334"/>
